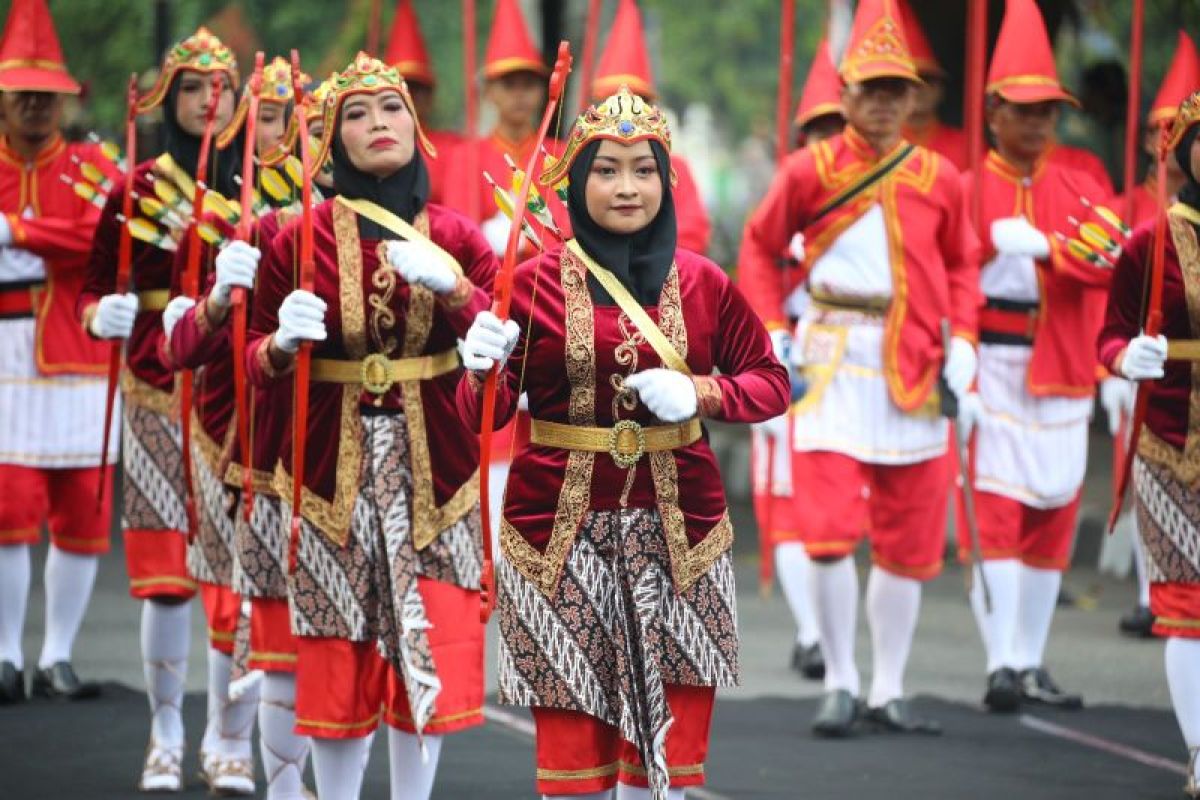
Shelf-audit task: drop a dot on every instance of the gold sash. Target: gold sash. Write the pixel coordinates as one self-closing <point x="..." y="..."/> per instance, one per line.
<point x="389" y="221"/>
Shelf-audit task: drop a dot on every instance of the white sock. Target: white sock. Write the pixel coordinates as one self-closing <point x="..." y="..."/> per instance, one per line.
<point x="834" y="593"/>
<point x="998" y="628"/>
<point x="793" y="568"/>
<point x="166" y="634"/>
<point x="893" y="605"/>
<point x="627" y="792"/>
<point x="1182" y="657"/>
<point x="1139" y="567"/>
<point x="412" y="771"/>
<point x="605" y="795"/>
<point x="339" y="765"/>
<point x="14" y="595"/>
<point x="1039" y="596"/>
<point x="284" y="754"/>
<point x="219" y="667"/>
<point x="69" y="580"/>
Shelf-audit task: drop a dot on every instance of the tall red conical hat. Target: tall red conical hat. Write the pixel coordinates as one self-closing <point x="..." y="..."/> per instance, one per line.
<point x="625" y="61"/>
<point x="877" y="47"/>
<point x="30" y="56"/>
<point x="406" y="47"/>
<point x="1183" y="78"/>
<point x="1022" y="69"/>
<point x="822" y="92"/>
<point x="509" y="48"/>
<point x="918" y="45"/>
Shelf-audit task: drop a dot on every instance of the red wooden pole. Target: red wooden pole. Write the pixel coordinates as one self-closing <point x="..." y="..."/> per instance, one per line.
<point x="1133" y="109"/>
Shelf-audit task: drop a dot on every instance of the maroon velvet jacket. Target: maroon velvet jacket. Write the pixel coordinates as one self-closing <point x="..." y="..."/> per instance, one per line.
<point x="1167" y="416"/>
<point x="572" y="353"/>
<point x="153" y="381"/>
<point x="372" y="310"/>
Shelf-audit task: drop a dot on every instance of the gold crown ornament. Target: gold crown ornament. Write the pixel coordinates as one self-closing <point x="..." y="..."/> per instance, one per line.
<point x="276" y="88"/>
<point x="1188" y="115"/>
<point x="623" y="117"/>
<point x="364" y="75"/>
<point x="201" y="52"/>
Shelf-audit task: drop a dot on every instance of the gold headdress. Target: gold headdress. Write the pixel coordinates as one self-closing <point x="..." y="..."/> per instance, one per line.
<point x="624" y="117"/>
<point x="201" y="52"/>
<point x="1188" y="115"/>
<point x="276" y="88"/>
<point x="364" y="75"/>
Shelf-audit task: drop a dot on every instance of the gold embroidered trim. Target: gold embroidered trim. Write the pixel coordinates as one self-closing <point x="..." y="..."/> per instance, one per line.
<point x="457" y="297"/>
<point x="263" y="356"/>
<point x="683" y="770"/>
<point x="708" y="395"/>
<point x="604" y="771"/>
<point x="138" y="393"/>
<point x="383" y="319"/>
<point x="204" y="444"/>
<point x="350" y="274"/>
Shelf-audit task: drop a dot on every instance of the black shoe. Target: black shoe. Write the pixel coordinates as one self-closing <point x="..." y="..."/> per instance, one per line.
<point x="897" y="716"/>
<point x="1003" y="694"/>
<point x="1038" y="687"/>
<point x="59" y="682"/>
<point x="836" y="715"/>
<point x="1138" y="623"/>
<point x="12" y="684"/>
<point x="808" y="661"/>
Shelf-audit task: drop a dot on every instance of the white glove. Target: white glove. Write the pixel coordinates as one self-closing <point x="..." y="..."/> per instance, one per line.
<point x="6" y="234"/>
<point x="781" y="343"/>
<point x="417" y="267"/>
<point x="1014" y="236"/>
<point x="961" y="363"/>
<point x="237" y="264"/>
<point x="970" y="410"/>
<point x="1144" y="358"/>
<point x="495" y="230"/>
<point x="114" y="316"/>
<point x="670" y="395"/>
<point x="1116" y="398"/>
<point x="174" y="312"/>
<point x="301" y="318"/>
<point x="796" y="247"/>
<point x="489" y="342"/>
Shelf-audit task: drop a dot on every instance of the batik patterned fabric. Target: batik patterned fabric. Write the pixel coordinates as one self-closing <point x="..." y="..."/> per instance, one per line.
<point x="615" y="631"/>
<point x="1168" y="515"/>
<point x="210" y="552"/>
<point x="260" y="558"/>
<point x="153" y="471"/>
<point x="367" y="590"/>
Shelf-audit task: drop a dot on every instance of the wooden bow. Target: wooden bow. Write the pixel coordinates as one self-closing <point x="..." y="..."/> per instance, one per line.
<point x="238" y="298"/>
<point x="502" y="298"/>
<point x="304" y="355"/>
<point x="124" y="269"/>
<point x="191" y="288"/>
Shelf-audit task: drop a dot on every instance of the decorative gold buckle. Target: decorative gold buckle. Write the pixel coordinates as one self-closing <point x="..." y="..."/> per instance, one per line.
<point x="622" y="458"/>
<point x="377" y="374"/>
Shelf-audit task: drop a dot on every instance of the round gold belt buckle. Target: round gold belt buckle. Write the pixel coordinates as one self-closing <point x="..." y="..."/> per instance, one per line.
<point x="377" y="374"/>
<point x="626" y="460"/>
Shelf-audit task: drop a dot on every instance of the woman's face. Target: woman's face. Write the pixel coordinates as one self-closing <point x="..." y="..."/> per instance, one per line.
<point x="1195" y="157"/>
<point x="624" y="192"/>
<point x="272" y="122"/>
<point x="193" y="99"/>
<point x="377" y="132"/>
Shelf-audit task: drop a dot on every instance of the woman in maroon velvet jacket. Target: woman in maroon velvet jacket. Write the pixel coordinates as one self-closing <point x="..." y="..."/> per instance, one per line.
<point x="616" y="592"/>
<point x="389" y="549"/>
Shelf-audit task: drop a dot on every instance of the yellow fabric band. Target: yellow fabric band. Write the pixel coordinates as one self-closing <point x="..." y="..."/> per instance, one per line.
<point x="625" y="442"/>
<point x="378" y="374"/>
<point x="153" y="299"/>
<point x="389" y="221"/>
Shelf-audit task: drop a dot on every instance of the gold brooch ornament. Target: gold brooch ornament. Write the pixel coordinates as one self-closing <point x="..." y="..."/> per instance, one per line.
<point x="201" y="52"/>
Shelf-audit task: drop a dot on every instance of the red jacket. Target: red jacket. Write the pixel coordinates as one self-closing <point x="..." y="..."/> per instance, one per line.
<point x="944" y="140"/>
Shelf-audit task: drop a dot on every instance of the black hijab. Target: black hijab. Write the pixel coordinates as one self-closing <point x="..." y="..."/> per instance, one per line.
<point x="1190" y="193"/>
<point x="404" y="192"/>
<point x="642" y="260"/>
<point x="184" y="149"/>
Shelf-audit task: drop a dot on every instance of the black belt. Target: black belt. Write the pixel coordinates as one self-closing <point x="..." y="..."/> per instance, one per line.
<point x="1008" y="321"/>
<point x="16" y="298"/>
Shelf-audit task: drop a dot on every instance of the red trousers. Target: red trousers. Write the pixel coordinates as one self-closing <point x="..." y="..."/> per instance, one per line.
<point x="65" y="499"/>
<point x="1008" y="528"/>
<point x="221" y="609"/>
<point x="272" y="645"/>
<point x="1176" y="608"/>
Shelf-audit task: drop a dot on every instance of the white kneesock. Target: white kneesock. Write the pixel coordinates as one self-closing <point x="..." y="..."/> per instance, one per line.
<point x="412" y="772"/>
<point x="893" y="605"/>
<point x="627" y="792"/>
<point x="793" y="569"/>
<point x="605" y="795"/>
<point x="219" y="667"/>
<point x="14" y="596"/>
<point x="339" y="765"/>
<point x="1139" y="567"/>
<point x="69" y="580"/>
<point x="834" y="593"/>
<point x="166" y="634"/>
<point x="1182" y="658"/>
<point x="283" y="752"/>
<point x="1039" y="597"/>
<point x="998" y="628"/>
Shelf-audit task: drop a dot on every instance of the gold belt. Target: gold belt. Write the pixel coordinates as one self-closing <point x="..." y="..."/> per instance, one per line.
<point x="625" y="442"/>
<point x="378" y="374"/>
<point x="153" y="299"/>
<point x="836" y="302"/>
<point x="1183" y="350"/>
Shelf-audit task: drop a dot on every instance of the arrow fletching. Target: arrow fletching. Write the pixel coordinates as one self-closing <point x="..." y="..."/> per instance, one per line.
<point x="146" y="231"/>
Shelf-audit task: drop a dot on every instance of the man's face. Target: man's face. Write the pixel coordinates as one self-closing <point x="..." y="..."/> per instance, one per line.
<point x="1024" y="130"/>
<point x="422" y="97"/>
<point x="518" y="96"/>
<point x="31" y="115"/>
<point x="878" y="107"/>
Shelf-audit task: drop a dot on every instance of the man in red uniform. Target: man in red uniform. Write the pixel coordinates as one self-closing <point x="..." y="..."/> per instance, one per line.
<point x="888" y="263"/>
<point x="626" y="62"/>
<point x="50" y="371"/>
<point x="819" y="114"/>
<point x="406" y="52"/>
<point x="923" y="126"/>
<point x="1030" y="412"/>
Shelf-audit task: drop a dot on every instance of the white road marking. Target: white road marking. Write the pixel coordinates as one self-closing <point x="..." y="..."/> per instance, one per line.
<point x="1106" y="745"/>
